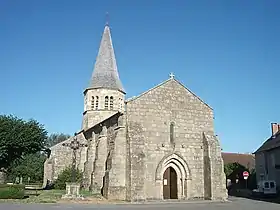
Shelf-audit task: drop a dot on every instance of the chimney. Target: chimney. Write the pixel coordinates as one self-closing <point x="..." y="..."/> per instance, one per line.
<point x="275" y="127"/>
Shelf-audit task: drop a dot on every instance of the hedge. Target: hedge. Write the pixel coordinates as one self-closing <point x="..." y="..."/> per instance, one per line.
<point x="11" y="191"/>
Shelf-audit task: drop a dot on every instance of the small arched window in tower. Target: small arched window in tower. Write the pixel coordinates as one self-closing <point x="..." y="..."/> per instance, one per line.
<point x="85" y="103"/>
<point x="106" y="102"/>
<point x="172" y="125"/>
<point x="96" y="102"/>
<point x="111" y="103"/>
<point x="121" y="104"/>
<point x="92" y="103"/>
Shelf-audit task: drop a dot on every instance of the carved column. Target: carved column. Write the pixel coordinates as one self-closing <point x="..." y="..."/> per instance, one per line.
<point x="182" y="184"/>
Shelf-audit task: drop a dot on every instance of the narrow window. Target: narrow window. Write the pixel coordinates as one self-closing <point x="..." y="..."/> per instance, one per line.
<point x="106" y="102"/>
<point x="96" y="103"/>
<point x="266" y="185"/>
<point x="92" y="103"/>
<point x="85" y="103"/>
<point x="172" y="132"/>
<point x="111" y="103"/>
<point x="121" y="103"/>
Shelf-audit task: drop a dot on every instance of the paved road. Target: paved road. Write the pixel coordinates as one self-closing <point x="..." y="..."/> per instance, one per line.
<point x="234" y="204"/>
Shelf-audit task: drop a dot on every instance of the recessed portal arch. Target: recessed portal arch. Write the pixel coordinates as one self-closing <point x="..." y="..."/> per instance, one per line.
<point x="174" y="166"/>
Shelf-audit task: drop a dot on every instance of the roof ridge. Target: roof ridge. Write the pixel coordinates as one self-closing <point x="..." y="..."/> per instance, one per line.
<point x="101" y="122"/>
<point x="145" y="92"/>
<point x="194" y="94"/>
<point x="270" y="143"/>
<point x="172" y="78"/>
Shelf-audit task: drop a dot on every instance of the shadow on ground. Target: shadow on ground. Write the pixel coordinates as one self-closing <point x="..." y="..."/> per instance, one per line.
<point x="244" y="193"/>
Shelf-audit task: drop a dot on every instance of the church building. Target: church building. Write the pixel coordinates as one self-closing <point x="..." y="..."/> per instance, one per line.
<point x="158" y="145"/>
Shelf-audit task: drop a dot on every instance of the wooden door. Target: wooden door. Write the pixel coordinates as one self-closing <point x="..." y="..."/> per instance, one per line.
<point x="170" y="190"/>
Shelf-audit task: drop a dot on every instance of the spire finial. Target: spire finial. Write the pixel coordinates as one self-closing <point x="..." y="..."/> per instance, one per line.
<point x="107" y="19"/>
<point x="171" y="75"/>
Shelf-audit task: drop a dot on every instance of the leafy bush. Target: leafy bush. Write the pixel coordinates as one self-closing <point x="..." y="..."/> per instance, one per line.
<point x="11" y="191"/>
<point x="66" y="176"/>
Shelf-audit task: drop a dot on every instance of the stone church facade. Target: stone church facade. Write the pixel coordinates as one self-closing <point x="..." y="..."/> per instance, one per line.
<point x="158" y="145"/>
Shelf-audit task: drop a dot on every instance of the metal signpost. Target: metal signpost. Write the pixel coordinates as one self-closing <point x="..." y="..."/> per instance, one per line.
<point x="245" y="176"/>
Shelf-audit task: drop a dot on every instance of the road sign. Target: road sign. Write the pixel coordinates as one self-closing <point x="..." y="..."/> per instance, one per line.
<point x="245" y="174"/>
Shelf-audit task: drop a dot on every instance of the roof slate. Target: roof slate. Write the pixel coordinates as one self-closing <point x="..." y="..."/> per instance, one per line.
<point x="105" y="73"/>
<point x="247" y="160"/>
<point x="271" y="143"/>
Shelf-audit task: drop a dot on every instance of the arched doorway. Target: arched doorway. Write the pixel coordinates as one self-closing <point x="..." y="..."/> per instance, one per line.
<point x="170" y="189"/>
<point x="183" y="176"/>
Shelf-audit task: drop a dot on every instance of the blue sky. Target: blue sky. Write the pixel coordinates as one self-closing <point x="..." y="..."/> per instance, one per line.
<point x="227" y="52"/>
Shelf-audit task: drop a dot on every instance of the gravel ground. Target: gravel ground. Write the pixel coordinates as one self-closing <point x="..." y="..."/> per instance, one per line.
<point x="233" y="204"/>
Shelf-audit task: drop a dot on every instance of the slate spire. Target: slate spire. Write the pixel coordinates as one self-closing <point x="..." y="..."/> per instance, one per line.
<point x="105" y="73"/>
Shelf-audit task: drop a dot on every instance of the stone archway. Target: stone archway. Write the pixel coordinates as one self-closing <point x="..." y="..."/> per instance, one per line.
<point x="183" y="175"/>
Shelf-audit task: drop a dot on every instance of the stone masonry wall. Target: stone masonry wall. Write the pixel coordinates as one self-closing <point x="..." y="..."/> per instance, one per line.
<point x="117" y="173"/>
<point x="100" y="158"/>
<point x="106" y="158"/>
<point x="137" y="161"/>
<point x="61" y="157"/>
<point x="207" y="169"/>
<point x="93" y="116"/>
<point x="218" y="177"/>
<point x="149" y="117"/>
<point x="90" y="157"/>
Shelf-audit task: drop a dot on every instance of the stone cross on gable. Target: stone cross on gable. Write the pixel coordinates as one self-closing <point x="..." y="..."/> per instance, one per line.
<point x="171" y="75"/>
<point x="74" y="145"/>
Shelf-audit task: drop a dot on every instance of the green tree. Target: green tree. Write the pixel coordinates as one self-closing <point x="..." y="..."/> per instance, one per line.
<point x="18" y="138"/>
<point x="252" y="180"/>
<point x="56" y="138"/>
<point x="31" y="165"/>
<point x="234" y="169"/>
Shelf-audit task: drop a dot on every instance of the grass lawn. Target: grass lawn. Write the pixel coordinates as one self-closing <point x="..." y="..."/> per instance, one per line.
<point x="46" y="196"/>
<point x="50" y="196"/>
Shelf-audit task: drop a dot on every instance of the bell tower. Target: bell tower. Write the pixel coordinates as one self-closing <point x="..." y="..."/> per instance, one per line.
<point x="105" y="94"/>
